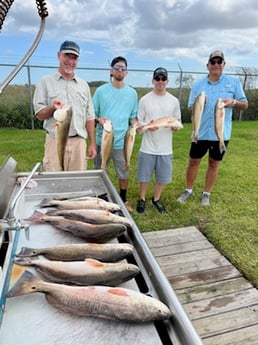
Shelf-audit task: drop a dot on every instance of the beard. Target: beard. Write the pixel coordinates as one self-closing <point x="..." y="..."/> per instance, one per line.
<point x="118" y="77"/>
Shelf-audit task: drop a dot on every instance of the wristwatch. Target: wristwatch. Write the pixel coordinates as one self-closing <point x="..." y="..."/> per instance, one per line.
<point x="233" y="103"/>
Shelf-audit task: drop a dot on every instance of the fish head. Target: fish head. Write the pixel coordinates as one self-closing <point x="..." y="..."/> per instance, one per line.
<point x="61" y="114"/>
<point x="107" y="126"/>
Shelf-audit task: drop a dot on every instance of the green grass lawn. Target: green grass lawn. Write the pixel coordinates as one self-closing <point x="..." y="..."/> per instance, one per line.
<point x="230" y="223"/>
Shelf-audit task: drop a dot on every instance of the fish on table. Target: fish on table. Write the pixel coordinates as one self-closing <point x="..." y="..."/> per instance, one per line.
<point x="97" y="233"/>
<point x="92" y="216"/>
<point x="114" y="303"/>
<point x="106" y="143"/>
<point x="129" y="144"/>
<point x="197" y="112"/>
<point x="90" y="202"/>
<point x="63" y="119"/>
<point x="165" y="122"/>
<point x="107" y="252"/>
<point x="219" y="123"/>
<point x="86" y="272"/>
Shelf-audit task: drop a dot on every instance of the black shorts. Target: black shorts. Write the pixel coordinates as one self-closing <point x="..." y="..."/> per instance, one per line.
<point x="199" y="149"/>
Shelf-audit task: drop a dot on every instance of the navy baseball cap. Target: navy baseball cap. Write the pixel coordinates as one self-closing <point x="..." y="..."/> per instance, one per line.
<point x="70" y="47"/>
<point x="118" y="59"/>
<point x="159" y="71"/>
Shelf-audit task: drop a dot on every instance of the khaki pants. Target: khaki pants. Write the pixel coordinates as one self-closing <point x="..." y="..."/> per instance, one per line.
<point x="74" y="157"/>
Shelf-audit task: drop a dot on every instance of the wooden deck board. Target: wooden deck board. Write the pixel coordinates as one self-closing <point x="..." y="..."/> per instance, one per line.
<point x="220" y="302"/>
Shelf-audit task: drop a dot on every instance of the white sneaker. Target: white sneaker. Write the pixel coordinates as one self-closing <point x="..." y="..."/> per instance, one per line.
<point x="205" y="199"/>
<point x="183" y="197"/>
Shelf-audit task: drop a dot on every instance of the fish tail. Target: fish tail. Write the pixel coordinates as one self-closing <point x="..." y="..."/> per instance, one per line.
<point x="194" y="139"/>
<point x="45" y="203"/>
<point x="26" y="251"/>
<point x="222" y="147"/>
<point x="25" y="284"/>
<point x="24" y="261"/>
<point x="36" y="217"/>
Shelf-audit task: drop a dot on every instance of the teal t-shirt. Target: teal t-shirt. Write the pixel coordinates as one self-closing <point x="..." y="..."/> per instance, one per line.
<point x="120" y="105"/>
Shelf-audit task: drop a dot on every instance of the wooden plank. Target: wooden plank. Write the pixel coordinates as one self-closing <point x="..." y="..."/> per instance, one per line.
<point x="210" y="254"/>
<point x="212" y="290"/>
<point x="172" y="236"/>
<point x="227" y="322"/>
<point x="205" y="276"/>
<point x="180" y="248"/>
<point x="219" y="301"/>
<point x="221" y="304"/>
<point x="243" y="336"/>
<point x="173" y="265"/>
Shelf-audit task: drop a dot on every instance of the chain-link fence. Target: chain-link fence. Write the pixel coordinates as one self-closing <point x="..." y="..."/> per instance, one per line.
<point x="16" y="98"/>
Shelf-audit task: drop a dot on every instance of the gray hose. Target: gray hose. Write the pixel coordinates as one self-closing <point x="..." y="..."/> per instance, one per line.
<point x="4" y="8"/>
<point x="43" y="13"/>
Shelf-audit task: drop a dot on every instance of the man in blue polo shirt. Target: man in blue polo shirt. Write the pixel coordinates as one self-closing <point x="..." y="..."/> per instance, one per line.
<point x="229" y="89"/>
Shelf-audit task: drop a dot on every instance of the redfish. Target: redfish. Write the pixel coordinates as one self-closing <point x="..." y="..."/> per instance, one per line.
<point x="87" y="272"/>
<point x="90" y="202"/>
<point x="129" y="144"/>
<point x="166" y="122"/>
<point x="107" y="302"/>
<point x="197" y="111"/>
<point x="92" y="216"/>
<point x="219" y="123"/>
<point x="98" y="233"/>
<point x="106" y="143"/>
<point x="107" y="252"/>
<point x="63" y="117"/>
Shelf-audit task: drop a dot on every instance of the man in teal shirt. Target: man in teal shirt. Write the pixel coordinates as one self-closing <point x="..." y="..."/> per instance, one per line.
<point x="118" y="102"/>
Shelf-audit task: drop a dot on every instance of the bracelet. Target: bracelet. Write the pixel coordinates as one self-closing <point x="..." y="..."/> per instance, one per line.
<point x="233" y="103"/>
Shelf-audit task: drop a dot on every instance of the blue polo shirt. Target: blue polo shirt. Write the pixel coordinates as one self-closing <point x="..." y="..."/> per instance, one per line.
<point x="225" y="87"/>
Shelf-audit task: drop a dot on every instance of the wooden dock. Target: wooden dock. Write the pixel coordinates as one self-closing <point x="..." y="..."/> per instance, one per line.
<point x="220" y="302"/>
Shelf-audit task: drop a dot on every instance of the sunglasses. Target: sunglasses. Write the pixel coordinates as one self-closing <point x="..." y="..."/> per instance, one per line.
<point x="119" y="68"/>
<point x="160" y="78"/>
<point x="214" y="62"/>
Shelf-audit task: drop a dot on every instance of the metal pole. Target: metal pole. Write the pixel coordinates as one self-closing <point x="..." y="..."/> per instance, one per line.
<point x="30" y="97"/>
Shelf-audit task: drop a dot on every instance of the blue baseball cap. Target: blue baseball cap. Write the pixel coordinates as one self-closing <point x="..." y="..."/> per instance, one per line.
<point x="70" y="47"/>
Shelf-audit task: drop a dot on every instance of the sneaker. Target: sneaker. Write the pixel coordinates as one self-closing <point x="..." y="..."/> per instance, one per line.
<point x="183" y="197"/>
<point x="205" y="199"/>
<point x="158" y="205"/>
<point x="128" y="206"/>
<point x="141" y="206"/>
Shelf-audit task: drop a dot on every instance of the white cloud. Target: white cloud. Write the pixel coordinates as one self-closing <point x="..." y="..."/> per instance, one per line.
<point x="172" y="29"/>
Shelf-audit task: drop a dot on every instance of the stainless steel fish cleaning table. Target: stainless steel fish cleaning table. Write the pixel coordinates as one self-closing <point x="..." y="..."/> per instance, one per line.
<point x="29" y="319"/>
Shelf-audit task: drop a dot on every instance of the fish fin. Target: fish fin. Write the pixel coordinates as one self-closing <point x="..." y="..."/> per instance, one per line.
<point x="117" y="291"/>
<point x="36" y="217"/>
<point x="45" y="203"/>
<point x="94" y="262"/>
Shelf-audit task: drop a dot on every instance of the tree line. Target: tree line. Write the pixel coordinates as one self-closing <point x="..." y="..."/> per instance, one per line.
<point x="16" y="109"/>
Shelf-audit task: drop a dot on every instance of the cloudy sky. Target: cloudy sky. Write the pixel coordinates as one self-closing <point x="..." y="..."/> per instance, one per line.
<point x="149" y="33"/>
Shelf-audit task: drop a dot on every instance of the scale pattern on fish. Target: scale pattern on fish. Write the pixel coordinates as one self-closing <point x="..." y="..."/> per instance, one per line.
<point x="63" y="117"/>
<point x="197" y="112"/>
<point x="106" y="143"/>
<point x="107" y="252"/>
<point x="98" y="233"/>
<point x="219" y="123"/>
<point x="115" y="303"/>
<point x="87" y="272"/>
